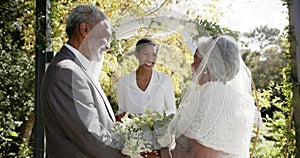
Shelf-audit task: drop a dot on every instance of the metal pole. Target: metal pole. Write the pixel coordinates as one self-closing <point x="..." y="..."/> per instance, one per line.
<point x="43" y="54"/>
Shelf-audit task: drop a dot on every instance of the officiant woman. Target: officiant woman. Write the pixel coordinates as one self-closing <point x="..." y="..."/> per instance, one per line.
<point x="146" y="87"/>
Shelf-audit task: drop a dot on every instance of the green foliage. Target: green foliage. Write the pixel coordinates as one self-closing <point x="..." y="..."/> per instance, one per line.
<point x="59" y="12"/>
<point x="271" y="72"/>
<point x="276" y="139"/>
<point x="277" y="136"/>
<point x="17" y="75"/>
<point x="16" y="96"/>
<point x="264" y="55"/>
<point x="215" y="29"/>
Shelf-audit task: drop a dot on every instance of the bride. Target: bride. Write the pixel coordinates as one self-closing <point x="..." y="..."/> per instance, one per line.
<point x="215" y="118"/>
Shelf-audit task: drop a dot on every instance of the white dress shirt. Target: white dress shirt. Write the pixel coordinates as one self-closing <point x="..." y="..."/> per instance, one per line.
<point x="93" y="71"/>
<point x="159" y="95"/>
<point x="93" y="68"/>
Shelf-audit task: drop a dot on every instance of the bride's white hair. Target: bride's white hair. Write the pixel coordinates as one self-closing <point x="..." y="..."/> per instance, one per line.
<point x="220" y="56"/>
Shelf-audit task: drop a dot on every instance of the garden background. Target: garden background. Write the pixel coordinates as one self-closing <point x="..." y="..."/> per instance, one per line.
<point x="271" y="65"/>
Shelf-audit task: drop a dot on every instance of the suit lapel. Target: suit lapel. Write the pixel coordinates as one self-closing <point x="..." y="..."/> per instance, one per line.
<point x="99" y="89"/>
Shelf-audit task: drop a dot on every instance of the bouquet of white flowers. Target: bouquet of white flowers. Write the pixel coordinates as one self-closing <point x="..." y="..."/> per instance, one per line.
<point x="136" y="134"/>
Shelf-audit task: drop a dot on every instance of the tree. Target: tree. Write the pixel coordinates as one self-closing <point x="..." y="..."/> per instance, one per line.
<point x="267" y="60"/>
<point x="294" y="76"/>
<point x="263" y="36"/>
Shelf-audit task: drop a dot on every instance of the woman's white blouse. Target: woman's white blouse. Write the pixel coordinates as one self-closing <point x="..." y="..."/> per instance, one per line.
<point x="159" y="95"/>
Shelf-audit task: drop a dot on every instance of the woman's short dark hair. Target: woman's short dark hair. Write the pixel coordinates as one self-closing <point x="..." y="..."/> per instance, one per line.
<point x="144" y="41"/>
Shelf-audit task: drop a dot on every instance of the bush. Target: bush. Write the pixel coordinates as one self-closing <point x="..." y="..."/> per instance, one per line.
<point x="17" y="79"/>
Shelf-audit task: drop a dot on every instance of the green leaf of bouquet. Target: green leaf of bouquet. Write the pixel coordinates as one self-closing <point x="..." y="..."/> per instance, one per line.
<point x="159" y="131"/>
<point x="148" y="135"/>
<point x="145" y="128"/>
<point x="156" y="145"/>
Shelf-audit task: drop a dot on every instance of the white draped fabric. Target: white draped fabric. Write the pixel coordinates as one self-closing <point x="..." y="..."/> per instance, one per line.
<point x="167" y="23"/>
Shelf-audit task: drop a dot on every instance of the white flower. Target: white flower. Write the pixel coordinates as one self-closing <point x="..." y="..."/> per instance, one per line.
<point x="138" y="133"/>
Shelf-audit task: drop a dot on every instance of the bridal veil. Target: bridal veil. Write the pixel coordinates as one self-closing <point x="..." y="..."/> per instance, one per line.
<point x="218" y="109"/>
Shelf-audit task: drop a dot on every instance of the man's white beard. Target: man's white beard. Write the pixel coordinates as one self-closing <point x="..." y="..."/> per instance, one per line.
<point x="95" y="51"/>
<point x="97" y="55"/>
<point x="97" y="65"/>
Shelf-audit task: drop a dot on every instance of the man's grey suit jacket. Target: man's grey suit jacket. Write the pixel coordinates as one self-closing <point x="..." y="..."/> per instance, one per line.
<point x="77" y="114"/>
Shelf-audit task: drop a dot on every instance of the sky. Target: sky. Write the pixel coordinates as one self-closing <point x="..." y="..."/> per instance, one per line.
<point x="245" y="15"/>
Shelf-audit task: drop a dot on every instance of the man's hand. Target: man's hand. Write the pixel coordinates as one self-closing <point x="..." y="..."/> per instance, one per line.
<point x="120" y="116"/>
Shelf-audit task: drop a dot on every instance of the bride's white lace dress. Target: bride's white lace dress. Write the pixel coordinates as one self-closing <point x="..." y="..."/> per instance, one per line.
<point x="220" y="118"/>
<point x="217" y="112"/>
